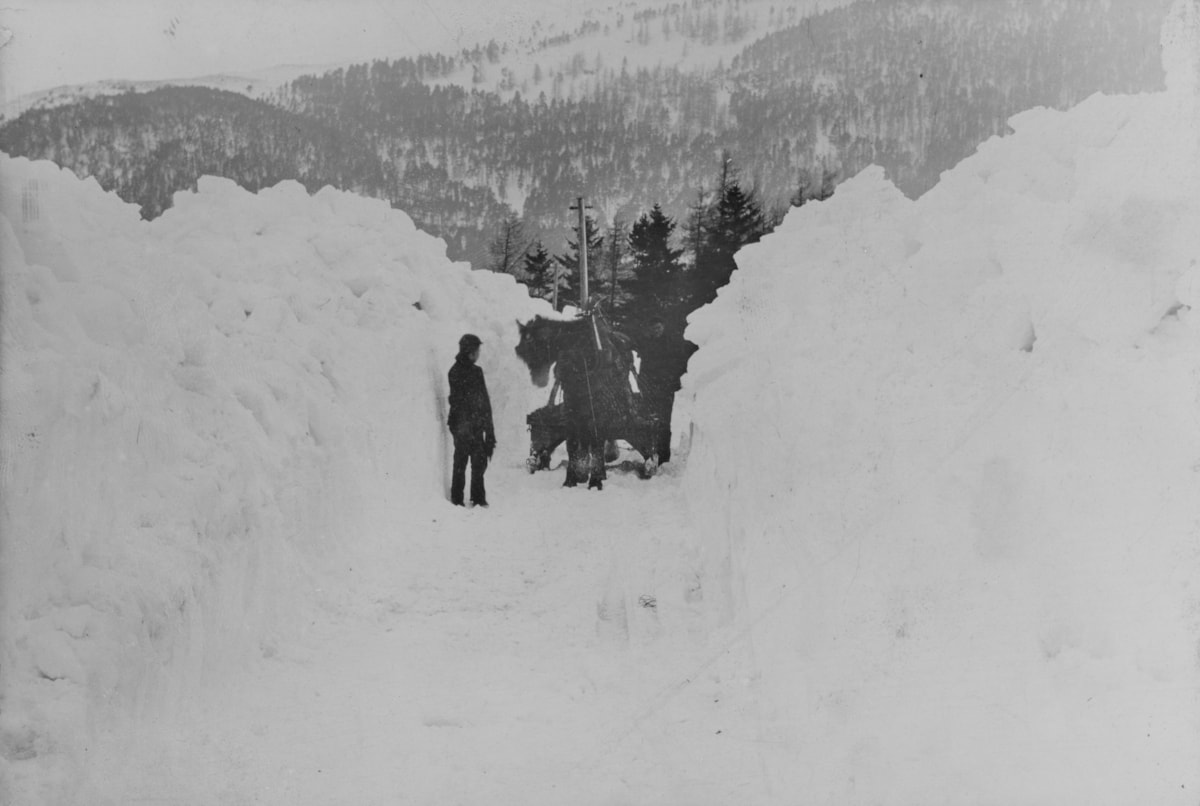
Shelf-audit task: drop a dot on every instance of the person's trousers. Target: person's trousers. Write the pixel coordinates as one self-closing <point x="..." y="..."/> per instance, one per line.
<point x="661" y="405"/>
<point x="473" y="451"/>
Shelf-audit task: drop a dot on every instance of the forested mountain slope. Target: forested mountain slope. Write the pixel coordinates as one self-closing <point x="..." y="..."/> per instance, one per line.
<point x="915" y="86"/>
<point x="911" y="85"/>
<point x="147" y="146"/>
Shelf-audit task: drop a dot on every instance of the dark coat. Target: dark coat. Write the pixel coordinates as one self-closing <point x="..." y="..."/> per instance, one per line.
<point x="664" y="360"/>
<point x="470" y="407"/>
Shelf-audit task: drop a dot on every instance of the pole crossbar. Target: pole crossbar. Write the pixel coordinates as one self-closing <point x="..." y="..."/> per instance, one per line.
<point x="583" y="248"/>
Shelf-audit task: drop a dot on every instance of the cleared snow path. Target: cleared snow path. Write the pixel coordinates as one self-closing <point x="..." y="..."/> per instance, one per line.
<point x="550" y="649"/>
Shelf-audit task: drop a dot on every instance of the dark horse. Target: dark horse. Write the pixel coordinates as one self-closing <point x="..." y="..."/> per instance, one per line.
<point x="592" y="362"/>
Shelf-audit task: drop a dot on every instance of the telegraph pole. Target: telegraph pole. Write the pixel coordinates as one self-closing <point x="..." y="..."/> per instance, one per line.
<point x="583" y="240"/>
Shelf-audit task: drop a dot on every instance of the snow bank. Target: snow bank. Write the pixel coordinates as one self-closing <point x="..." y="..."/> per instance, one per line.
<point x="948" y="453"/>
<point x="200" y="414"/>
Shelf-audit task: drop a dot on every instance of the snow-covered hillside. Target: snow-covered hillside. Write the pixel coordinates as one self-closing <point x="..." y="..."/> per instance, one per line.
<point x="611" y="39"/>
<point x="961" y="522"/>
<point x="548" y="36"/>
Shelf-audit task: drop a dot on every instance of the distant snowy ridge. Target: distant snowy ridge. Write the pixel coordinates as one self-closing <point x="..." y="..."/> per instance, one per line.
<point x="631" y="46"/>
<point x="255" y="84"/>
<point x="513" y="69"/>
<point x="957" y="518"/>
<point x="200" y="413"/>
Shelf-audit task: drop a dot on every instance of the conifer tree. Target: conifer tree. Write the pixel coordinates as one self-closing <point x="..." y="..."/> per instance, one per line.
<point x="738" y="221"/>
<point x="616" y="279"/>
<point x="734" y="219"/>
<point x="657" y="264"/>
<point x="696" y="227"/>
<point x="507" y="250"/>
<point x="538" y="269"/>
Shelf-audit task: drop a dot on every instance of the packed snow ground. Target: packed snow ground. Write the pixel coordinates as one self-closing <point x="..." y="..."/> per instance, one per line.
<point x="479" y="657"/>
<point x="930" y="538"/>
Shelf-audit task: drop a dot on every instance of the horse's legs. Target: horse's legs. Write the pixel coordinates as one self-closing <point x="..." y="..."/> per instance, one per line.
<point x="572" y="457"/>
<point x="597" y="473"/>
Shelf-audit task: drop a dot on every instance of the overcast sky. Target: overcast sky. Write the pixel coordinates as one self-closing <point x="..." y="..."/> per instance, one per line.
<point x="50" y="43"/>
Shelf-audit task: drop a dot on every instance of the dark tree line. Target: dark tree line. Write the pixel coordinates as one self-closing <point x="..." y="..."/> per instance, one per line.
<point x="658" y="268"/>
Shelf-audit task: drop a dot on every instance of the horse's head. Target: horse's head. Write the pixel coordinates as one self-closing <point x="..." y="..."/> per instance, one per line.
<point x="536" y="350"/>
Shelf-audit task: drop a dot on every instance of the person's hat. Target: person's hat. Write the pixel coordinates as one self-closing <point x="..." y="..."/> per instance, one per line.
<point x="469" y="342"/>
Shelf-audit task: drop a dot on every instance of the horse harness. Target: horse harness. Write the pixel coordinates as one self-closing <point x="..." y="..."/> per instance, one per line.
<point x="601" y="349"/>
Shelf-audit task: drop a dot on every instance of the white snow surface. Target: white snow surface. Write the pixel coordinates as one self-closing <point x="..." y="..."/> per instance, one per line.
<point x="961" y="525"/>
<point x="930" y="534"/>
<point x="201" y="414"/>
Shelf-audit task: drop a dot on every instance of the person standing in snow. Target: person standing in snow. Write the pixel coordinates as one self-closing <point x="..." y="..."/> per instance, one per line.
<point x="663" y="362"/>
<point x="470" y="422"/>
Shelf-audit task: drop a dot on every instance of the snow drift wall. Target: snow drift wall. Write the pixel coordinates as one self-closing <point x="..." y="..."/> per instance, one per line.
<point x="949" y="454"/>
<point x="200" y="413"/>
